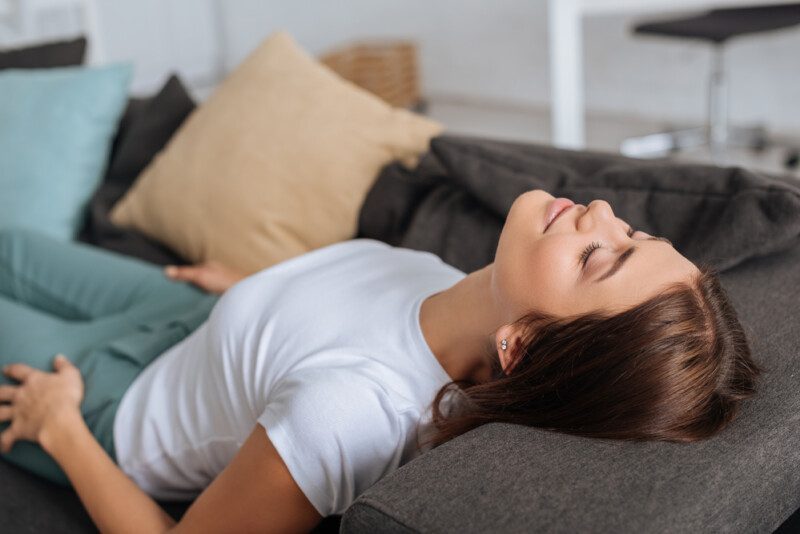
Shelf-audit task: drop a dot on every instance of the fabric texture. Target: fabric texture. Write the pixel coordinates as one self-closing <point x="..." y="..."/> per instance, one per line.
<point x="281" y="156"/>
<point x="288" y="348"/>
<point x="509" y="478"/>
<point x="56" y="127"/>
<point x="110" y="315"/>
<point x="55" y="54"/>
<point x="464" y="187"/>
<point x="145" y="128"/>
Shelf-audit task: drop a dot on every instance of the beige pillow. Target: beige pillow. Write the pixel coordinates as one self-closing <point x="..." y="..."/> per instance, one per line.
<point x="275" y="163"/>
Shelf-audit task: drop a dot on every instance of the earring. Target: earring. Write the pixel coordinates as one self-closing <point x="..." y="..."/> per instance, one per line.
<point x="504" y="344"/>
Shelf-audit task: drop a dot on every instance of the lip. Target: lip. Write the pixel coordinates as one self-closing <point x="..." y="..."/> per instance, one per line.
<point x="556" y="208"/>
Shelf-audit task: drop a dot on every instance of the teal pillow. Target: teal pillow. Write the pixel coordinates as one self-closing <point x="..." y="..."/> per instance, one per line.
<point x="56" y="128"/>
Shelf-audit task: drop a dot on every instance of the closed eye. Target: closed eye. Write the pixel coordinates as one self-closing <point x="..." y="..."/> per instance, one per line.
<point x="594" y="245"/>
<point x="624" y="257"/>
<point x="584" y="257"/>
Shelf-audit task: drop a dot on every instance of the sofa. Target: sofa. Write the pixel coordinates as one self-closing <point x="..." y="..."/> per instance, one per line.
<point x="514" y="479"/>
<point x="506" y="478"/>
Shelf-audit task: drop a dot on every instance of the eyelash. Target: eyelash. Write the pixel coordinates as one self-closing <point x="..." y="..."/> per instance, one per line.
<point x="594" y="245"/>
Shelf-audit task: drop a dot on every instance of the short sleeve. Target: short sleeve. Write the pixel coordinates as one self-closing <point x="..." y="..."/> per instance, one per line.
<point x="337" y="433"/>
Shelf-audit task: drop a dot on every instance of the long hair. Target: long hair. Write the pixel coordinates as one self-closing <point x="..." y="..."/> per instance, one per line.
<point x="673" y="368"/>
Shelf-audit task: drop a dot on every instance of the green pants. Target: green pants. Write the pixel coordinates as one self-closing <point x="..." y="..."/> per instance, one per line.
<point x="110" y="314"/>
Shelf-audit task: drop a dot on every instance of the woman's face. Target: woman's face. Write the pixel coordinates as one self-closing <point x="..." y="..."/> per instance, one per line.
<point x="585" y="260"/>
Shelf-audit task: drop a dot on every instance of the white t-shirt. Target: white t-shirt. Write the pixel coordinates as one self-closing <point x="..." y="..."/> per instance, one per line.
<point x="324" y="350"/>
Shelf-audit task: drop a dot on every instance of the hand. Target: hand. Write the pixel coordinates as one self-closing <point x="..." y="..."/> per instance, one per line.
<point x="39" y="400"/>
<point x="211" y="276"/>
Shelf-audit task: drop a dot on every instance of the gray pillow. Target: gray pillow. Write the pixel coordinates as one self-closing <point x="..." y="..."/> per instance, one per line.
<point x="463" y="188"/>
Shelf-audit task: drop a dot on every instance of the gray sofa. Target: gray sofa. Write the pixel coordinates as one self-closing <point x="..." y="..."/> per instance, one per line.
<point x="502" y="478"/>
<point x="507" y="478"/>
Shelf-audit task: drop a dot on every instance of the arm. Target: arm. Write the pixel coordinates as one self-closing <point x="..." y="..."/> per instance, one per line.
<point x="254" y="493"/>
<point x="45" y="408"/>
<point x="114" y="502"/>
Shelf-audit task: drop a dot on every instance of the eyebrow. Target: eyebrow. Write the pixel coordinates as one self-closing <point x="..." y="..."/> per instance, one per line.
<point x="620" y="261"/>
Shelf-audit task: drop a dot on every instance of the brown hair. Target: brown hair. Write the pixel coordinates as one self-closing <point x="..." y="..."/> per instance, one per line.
<point x="673" y="368"/>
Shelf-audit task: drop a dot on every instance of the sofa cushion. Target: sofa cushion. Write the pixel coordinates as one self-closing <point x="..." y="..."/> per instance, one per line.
<point x="510" y="478"/>
<point x="275" y="163"/>
<point x="47" y="55"/>
<point x="465" y="187"/>
<point x="145" y="128"/>
<point x="56" y="127"/>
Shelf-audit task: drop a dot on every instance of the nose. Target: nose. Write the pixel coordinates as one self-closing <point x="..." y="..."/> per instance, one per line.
<point x="597" y="214"/>
<point x="598" y="218"/>
<point x="601" y="210"/>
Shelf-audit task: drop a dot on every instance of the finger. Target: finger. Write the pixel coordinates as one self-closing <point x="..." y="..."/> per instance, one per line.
<point x="7" y="439"/>
<point x="203" y="278"/>
<point x="174" y="271"/>
<point x="7" y="392"/>
<point x="188" y="273"/>
<point x="61" y="362"/>
<point x="6" y="412"/>
<point x="18" y="371"/>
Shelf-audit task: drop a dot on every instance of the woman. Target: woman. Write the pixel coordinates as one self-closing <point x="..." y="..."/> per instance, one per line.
<point x="310" y="380"/>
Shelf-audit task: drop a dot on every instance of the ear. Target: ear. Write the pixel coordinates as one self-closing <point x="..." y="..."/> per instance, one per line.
<point x="506" y="356"/>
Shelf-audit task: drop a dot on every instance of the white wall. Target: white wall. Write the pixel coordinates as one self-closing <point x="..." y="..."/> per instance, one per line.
<point x="667" y="78"/>
<point x="481" y="50"/>
<point x="496" y="51"/>
<point x="469" y="48"/>
<point x="161" y="36"/>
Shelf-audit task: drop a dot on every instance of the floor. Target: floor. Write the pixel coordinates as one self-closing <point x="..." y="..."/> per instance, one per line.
<point x="604" y="132"/>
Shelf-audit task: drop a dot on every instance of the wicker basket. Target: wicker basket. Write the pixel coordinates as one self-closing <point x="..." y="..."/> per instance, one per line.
<point x="387" y="69"/>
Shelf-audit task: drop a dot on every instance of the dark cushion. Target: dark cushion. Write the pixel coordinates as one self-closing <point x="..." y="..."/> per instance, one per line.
<point x="145" y="129"/>
<point x="462" y="190"/>
<point x="510" y="478"/>
<point x="55" y="54"/>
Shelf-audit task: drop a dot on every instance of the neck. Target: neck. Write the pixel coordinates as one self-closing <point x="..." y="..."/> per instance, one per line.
<point x="459" y="324"/>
